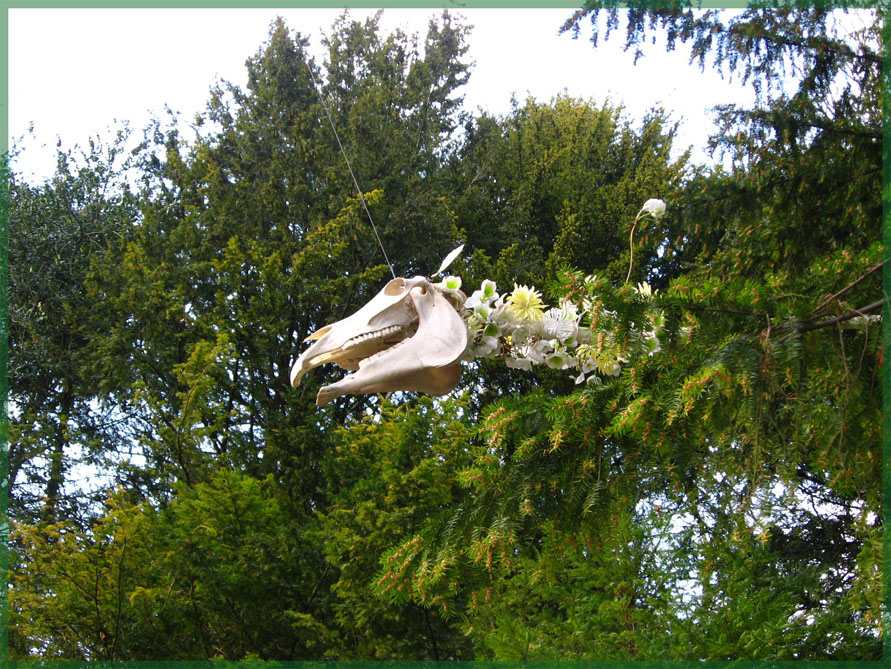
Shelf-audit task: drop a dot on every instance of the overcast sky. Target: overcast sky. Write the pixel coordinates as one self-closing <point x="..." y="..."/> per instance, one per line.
<point x="74" y="73"/>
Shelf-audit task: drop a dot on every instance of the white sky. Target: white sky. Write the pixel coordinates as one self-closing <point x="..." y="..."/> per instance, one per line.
<point x="76" y="72"/>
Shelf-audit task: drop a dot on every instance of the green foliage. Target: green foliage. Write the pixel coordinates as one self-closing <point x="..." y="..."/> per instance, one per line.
<point x="56" y="231"/>
<point x="559" y="183"/>
<point x="199" y="579"/>
<point x="391" y="474"/>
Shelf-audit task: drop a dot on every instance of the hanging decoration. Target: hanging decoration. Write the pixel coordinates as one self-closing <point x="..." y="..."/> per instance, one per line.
<point x="413" y="335"/>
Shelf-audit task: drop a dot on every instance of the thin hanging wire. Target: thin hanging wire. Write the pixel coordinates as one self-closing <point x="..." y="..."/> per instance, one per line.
<point x="350" y="168"/>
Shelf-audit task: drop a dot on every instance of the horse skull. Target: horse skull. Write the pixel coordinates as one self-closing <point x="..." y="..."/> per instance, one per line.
<point x="409" y="337"/>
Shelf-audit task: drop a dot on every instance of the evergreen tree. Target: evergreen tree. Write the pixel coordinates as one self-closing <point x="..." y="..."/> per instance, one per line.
<point x="718" y="499"/>
<point x="245" y="241"/>
<point x="56" y="231"/>
<point x="555" y="185"/>
<point x="748" y="448"/>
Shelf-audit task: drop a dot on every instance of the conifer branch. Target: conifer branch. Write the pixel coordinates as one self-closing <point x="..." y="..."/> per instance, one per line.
<point x="844" y="317"/>
<point x="871" y="270"/>
<point x="838" y="319"/>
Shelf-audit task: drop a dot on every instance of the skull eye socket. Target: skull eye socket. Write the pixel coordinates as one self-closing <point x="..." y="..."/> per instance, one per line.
<point x="395" y="287"/>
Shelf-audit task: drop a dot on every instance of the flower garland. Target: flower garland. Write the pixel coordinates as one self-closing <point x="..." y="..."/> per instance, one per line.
<point x="582" y="336"/>
<point x="521" y="330"/>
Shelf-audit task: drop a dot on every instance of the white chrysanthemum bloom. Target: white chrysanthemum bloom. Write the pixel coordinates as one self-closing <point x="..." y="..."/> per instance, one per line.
<point x="654" y="207"/>
<point x="644" y="290"/>
<point x="525" y="303"/>
<point x="569" y="309"/>
<point x="561" y="323"/>
<point x="554" y="327"/>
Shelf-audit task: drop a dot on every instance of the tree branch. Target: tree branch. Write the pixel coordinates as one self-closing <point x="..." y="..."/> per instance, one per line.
<point x="840" y="319"/>
<point x="849" y="286"/>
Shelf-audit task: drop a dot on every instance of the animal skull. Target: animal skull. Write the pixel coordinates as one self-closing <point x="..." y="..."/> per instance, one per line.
<point x="409" y="337"/>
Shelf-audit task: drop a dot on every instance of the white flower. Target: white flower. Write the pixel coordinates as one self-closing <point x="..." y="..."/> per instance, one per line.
<point x="558" y="324"/>
<point x="535" y="352"/>
<point x="491" y="330"/>
<point x="571" y="342"/>
<point x="652" y="344"/>
<point x="610" y="367"/>
<point x="658" y="321"/>
<point x="566" y="360"/>
<point x="484" y="295"/>
<point x="474" y="300"/>
<point x="654" y="207"/>
<point x="569" y="309"/>
<point x="561" y="323"/>
<point x="556" y="356"/>
<point x="586" y="368"/>
<point x="500" y="313"/>
<point x="644" y="290"/>
<point x="520" y="334"/>
<point x="583" y="336"/>
<point x="488" y="290"/>
<point x="518" y="363"/>
<point x="485" y="347"/>
<point x="452" y="283"/>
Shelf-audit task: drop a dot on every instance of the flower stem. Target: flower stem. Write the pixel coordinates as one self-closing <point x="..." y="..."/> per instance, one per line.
<point x="631" y="248"/>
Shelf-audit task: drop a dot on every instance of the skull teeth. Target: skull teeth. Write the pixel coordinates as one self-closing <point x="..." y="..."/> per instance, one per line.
<point x="379" y="334"/>
<point x="364" y="362"/>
